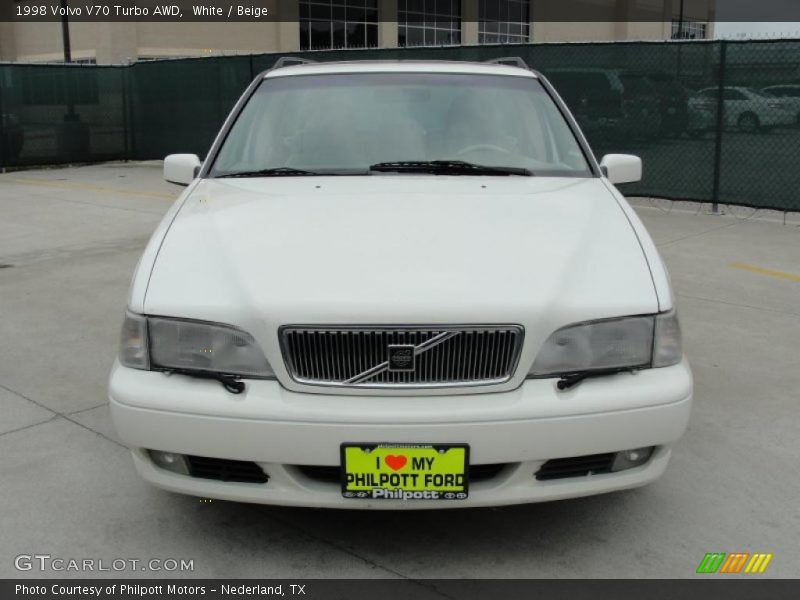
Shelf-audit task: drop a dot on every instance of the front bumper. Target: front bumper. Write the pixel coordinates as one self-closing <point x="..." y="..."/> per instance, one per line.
<point x="279" y="429"/>
<point x="778" y="118"/>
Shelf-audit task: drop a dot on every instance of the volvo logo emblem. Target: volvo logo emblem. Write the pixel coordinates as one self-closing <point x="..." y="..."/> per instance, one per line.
<point x="401" y="357"/>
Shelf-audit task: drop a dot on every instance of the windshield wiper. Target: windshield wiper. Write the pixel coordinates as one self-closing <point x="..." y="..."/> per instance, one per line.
<point x="447" y="167"/>
<point x="274" y="172"/>
<point x="572" y="379"/>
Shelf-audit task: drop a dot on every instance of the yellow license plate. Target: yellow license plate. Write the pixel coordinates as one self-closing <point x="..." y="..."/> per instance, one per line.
<point x="405" y="471"/>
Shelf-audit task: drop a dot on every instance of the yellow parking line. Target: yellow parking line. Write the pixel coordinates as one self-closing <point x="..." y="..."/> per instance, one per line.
<point x="763" y="271"/>
<point x="85" y="186"/>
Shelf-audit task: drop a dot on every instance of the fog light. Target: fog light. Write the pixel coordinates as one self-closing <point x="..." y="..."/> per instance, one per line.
<point x="628" y="459"/>
<point x="170" y="461"/>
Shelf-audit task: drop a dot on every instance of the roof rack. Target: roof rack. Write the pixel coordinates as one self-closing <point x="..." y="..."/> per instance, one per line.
<point x="514" y="61"/>
<point x="285" y="61"/>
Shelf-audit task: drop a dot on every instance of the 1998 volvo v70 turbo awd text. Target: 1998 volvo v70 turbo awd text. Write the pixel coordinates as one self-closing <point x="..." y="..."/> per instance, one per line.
<point x="400" y="285"/>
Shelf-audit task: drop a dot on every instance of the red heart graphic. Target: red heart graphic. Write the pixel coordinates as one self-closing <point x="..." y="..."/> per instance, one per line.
<point x="395" y="463"/>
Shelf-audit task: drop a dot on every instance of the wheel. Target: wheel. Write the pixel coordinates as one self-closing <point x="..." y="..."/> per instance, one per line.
<point x="748" y="123"/>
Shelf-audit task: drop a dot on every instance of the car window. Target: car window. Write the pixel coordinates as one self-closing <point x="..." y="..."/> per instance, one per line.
<point x="565" y="82"/>
<point x="734" y="95"/>
<point x="635" y="84"/>
<point x="596" y="81"/>
<point x="577" y="79"/>
<point x="579" y="87"/>
<point x="346" y="122"/>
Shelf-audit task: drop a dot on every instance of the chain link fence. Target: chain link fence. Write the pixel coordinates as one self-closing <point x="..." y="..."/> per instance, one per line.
<point x="713" y="121"/>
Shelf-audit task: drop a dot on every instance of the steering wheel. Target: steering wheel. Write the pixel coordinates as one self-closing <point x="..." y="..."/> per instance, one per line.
<point x="475" y="147"/>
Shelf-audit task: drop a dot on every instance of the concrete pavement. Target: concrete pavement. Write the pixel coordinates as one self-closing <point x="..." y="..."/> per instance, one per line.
<point x="69" y="240"/>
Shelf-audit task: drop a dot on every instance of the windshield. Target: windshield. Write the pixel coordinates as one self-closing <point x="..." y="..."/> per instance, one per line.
<point x="344" y="123"/>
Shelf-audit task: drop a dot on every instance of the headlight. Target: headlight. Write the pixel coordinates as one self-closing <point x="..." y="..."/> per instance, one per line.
<point x="181" y="345"/>
<point x="645" y="341"/>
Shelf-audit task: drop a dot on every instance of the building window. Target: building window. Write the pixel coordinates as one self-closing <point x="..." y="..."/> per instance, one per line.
<point x="504" y="21"/>
<point x="688" y="30"/>
<point x="429" y="22"/>
<point x="329" y="24"/>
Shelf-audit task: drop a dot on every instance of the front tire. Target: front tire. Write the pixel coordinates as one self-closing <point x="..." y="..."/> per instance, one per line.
<point x="748" y="123"/>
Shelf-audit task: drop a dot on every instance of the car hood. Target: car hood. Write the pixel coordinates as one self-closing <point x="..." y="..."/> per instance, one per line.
<point x="261" y="253"/>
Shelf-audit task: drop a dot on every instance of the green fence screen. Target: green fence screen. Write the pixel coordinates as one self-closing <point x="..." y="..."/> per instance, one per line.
<point x="714" y="121"/>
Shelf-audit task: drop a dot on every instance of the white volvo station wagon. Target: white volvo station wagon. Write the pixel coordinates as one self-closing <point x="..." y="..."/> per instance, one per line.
<point x="399" y="285"/>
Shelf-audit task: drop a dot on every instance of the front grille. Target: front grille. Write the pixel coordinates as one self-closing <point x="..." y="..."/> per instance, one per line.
<point x="334" y="474"/>
<point x="226" y="470"/>
<point x="576" y="466"/>
<point x="442" y="356"/>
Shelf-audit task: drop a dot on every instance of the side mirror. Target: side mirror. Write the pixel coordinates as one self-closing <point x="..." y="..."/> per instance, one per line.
<point x="622" y="168"/>
<point x="181" y="168"/>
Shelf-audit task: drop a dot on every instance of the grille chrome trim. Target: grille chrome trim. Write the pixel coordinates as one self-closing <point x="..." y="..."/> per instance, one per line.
<point x="355" y="356"/>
